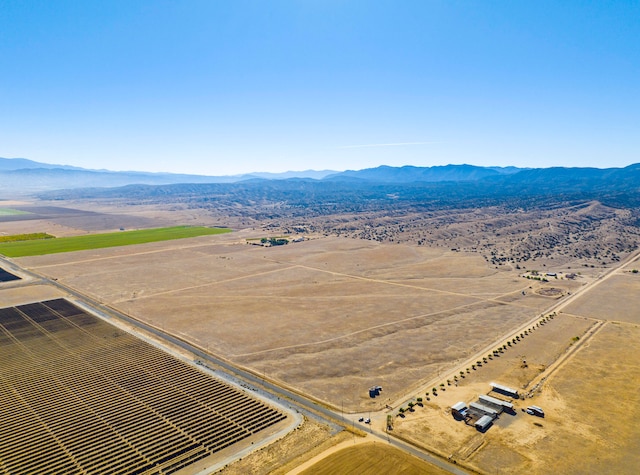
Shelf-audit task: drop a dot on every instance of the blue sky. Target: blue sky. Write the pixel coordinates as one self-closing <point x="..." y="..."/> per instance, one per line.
<point x="225" y="87"/>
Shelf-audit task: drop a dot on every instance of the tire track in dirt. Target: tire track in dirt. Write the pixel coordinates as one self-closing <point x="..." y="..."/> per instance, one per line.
<point x="199" y="286"/>
<point x="563" y="359"/>
<point x="357" y="332"/>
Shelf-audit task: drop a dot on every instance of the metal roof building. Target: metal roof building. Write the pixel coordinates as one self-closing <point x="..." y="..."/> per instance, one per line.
<point x="492" y="401"/>
<point x="482" y="409"/>
<point x="459" y="409"/>
<point x="483" y="423"/>
<point x="459" y="406"/>
<point x="505" y="390"/>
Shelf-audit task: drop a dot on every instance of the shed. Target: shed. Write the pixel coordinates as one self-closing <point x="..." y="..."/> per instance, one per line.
<point x="483" y="423"/>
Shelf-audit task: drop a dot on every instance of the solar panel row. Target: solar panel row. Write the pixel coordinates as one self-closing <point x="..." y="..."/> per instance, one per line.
<point x="78" y="395"/>
<point x="7" y="276"/>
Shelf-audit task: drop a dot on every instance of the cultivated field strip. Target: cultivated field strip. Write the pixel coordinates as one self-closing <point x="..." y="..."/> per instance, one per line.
<point x="78" y="395"/>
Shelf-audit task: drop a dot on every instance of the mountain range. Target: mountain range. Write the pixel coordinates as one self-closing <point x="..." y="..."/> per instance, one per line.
<point x="20" y="176"/>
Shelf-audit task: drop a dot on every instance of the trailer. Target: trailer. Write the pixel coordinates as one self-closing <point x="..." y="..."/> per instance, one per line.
<point x="535" y="411"/>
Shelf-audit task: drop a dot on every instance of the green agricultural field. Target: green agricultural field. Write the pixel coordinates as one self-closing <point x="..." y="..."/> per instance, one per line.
<point x="11" y="212"/>
<point x="98" y="241"/>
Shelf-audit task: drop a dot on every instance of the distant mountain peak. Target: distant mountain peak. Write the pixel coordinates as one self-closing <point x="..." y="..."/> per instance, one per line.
<point x="411" y="173"/>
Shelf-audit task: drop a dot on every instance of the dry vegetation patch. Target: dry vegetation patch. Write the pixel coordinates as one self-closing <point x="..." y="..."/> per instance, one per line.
<point x="299" y="445"/>
<point x="618" y="299"/>
<point x="372" y="458"/>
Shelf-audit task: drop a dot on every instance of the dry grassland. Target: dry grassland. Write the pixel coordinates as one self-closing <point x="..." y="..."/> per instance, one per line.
<point x="296" y="447"/>
<point x="590" y="401"/>
<point x="616" y="299"/>
<point x="35" y="226"/>
<point x="372" y="459"/>
<point x="434" y="427"/>
<point x="19" y="295"/>
<point x="591" y="405"/>
<point x="329" y="317"/>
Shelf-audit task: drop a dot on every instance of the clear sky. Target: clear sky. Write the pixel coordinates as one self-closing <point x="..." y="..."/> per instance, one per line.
<point x="223" y="87"/>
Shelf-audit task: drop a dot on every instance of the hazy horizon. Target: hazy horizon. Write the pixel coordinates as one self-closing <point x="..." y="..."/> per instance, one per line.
<point x="228" y="88"/>
<point x="309" y="171"/>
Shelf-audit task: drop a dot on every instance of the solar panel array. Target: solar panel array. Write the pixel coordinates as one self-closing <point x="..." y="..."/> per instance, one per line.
<point x="7" y="276"/>
<point x="78" y="395"/>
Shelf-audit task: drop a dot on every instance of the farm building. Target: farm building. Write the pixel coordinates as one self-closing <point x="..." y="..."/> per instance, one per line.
<point x="375" y="391"/>
<point x="484" y="423"/>
<point x="505" y="390"/>
<point x="496" y="403"/>
<point x="481" y="409"/>
<point x="459" y="410"/>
